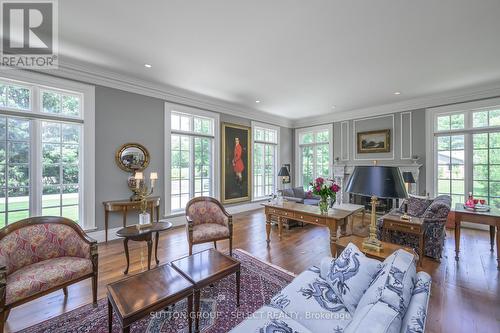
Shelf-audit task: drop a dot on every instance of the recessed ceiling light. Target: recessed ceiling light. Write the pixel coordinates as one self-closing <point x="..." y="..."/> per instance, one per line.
<point x="257" y="101"/>
<point x="397" y="93"/>
<point x="147" y="65"/>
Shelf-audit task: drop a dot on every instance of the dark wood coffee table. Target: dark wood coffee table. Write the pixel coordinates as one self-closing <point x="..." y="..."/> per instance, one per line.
<point x="204" y="268"/>
<point x="137" y="296"/>
<point x="145" y="235"/>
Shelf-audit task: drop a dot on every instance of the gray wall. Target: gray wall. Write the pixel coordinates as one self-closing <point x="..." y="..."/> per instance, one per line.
<point x="123" y="117"/>
<point x="412" y="142"/>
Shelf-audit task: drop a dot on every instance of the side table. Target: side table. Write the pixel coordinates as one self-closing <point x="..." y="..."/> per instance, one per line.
<point x="414" y="226"/>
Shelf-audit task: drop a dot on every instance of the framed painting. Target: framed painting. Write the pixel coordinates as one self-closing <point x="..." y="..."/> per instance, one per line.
<point x="378" y="141"/>
<point x="236" y="175"/>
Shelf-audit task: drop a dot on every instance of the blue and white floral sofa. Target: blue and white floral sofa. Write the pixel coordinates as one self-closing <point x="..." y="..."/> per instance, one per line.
<point x="352" y="293"/>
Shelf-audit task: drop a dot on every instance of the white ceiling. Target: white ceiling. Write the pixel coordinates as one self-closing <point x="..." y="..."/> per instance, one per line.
<point x="299" y="57"/>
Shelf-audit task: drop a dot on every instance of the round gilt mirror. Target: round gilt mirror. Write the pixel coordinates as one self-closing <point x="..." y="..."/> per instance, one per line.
<point x="132" y="157"/>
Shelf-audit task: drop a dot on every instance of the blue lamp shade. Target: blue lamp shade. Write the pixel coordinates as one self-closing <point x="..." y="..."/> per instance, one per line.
<point x="381" y="181"/>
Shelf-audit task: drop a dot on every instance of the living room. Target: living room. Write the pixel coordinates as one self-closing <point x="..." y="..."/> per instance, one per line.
<point x="233" y="166"/>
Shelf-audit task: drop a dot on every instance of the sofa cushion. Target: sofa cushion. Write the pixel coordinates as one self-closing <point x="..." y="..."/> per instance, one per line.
<point x="43" y="275"/>
<point x="38" y="242"/>
<point x="311" y="301"/>
<point x="394" y="283"/>
<point x="414" y="319"/>
<point x="325" y="266"/>
<point x="312" y="202"/>
<point x="269" y="319"/>
<point x="209" y="231"/>
<point x="351" y="274"/>
<point x="375" y="318"/>
<point x="288" y="192"/>
<point x="299" y="192"/>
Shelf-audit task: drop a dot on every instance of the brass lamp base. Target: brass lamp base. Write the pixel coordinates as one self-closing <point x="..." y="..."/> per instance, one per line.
<point x="372" y="244"/>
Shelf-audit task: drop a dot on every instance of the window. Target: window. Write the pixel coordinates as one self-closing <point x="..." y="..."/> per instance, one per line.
<point x="265" y="159"/>
<point x="467" y="153"/>
<point x="191" y="148"/>
<point x="314" y="153"/>
<point x="41" y="150"/>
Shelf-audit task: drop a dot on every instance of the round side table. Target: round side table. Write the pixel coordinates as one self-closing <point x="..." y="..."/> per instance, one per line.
<point x="144" y="235"/>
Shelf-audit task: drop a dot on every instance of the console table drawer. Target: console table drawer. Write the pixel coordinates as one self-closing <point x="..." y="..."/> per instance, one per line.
<point x="310" y="218"/>
<point x="402" y="227"/>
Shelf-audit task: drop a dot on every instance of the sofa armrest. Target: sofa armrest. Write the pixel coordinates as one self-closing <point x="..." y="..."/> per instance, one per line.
<point x="293" y="199"/>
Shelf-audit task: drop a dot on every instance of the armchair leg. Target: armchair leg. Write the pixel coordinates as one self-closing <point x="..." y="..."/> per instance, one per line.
<point x="94" y="290"/>
<point x="231" y="246"/>
<point x="215" y="245"/>
<point x="3" y="318"/>
<point x="65" y="291"/>
<point x="190" y="249"/>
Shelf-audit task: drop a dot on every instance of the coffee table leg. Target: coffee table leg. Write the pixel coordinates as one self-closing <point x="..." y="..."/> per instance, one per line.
<point x="157" y="236"/>
<point x="190" y="312"/>
<point x="110" y="317"/>
<point x="125" y="245"/>
<point x="150" y="246"/>
<point x="197" y="310"/>
<point x="238" y="288"/>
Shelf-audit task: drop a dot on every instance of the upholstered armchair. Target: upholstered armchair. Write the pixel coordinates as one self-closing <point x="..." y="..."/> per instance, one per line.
<point x="208" y="221"/>
<point x="435" y="213"/>
<point x="40" y="255"/>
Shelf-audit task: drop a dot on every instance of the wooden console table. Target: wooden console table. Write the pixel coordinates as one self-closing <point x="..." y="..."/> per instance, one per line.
<point x="125" y="206"/>
<point x="491" y="218"/>
<point x="310" y="214"/>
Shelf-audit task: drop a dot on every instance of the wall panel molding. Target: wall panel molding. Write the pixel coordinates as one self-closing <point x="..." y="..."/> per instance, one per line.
<point x="406" y="134"/>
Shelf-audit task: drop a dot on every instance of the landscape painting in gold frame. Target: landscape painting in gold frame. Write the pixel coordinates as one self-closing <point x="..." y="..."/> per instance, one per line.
<point x="236" y="177"/>
<point x="378" y="141"/>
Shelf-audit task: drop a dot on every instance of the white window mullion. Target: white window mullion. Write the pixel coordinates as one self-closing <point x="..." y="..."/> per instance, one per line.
<point x="191" y="165"/>
<point x="36" y="169"/>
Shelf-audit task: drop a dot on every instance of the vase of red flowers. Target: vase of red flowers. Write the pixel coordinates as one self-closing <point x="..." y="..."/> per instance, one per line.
<point x="324" y="188"/>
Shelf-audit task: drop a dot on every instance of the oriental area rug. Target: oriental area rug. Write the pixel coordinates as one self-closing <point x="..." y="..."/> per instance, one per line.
<point x="260" y="281"/>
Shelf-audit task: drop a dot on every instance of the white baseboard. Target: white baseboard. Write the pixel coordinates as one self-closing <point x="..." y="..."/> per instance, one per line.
<point x="179" y="220"/>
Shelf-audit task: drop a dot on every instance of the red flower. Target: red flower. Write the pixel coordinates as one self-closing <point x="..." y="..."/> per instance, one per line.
<point x="319" y="180"/>
<point x="335" y="188"/>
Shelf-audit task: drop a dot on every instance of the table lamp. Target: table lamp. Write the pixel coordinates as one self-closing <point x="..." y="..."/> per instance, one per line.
<point x="408" y="179"/>
<point x="377" y="182"/>
<point x="283" y="173"/>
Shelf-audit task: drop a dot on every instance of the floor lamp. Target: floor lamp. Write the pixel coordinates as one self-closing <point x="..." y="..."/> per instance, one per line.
<point x="377" y="182"/>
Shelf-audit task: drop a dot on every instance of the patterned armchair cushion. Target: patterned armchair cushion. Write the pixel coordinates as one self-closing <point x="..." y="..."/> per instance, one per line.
<point x="38" y="242"/>
<point x="209" y="231"/>
<point x="43" y="275"/>
<point x="416" y="205"/>
<point x="414" y="319"/>
<point x="393" y="284"/>
<point x="310" y="300"/>
<point x="207" y="212"/>
<point x="375" y="318"/>
<point x="269" y="320"/>
<point x="350" y="275"/>
<point x="439" y="208"/>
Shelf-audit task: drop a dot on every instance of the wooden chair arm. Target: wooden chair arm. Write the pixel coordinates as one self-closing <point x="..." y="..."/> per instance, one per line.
<point x="3" y="286"/>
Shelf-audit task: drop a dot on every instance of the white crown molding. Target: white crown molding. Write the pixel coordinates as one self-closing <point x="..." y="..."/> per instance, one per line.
<point x="447" y="98"/>
<point x="93" y="74"/>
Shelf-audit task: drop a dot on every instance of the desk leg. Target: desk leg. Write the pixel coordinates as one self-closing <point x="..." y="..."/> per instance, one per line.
<point x="343" y="227"/>
<point x="190" y="313"/>
<point x="157" y="236"/>
<point x="125" y="245"/>
<point x="280" y="226"/>
<point x="268" y="229"/>
<point x="150" y="246"/>
<point x="492" y="237"/>
<point x="152" y="217"/>
<point x="110" y="317"/>
<point x="498" y="247"/>
<point x="238" y="288"/>
<point x="457" y="235"/>
<point x="332" y="226"/>
<point x="125" y="216"/>
<point x="106" y="218"/>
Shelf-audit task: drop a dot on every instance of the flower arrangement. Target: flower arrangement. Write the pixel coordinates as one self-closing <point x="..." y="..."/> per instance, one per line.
<point x="325" y="188"/>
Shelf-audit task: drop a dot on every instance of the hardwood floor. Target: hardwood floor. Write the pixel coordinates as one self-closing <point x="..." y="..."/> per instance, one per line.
<point x="465" y="295"/>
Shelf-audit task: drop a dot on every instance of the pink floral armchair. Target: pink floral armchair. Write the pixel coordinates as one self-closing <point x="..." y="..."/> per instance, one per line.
<point x="40" y="255"/>
<point x="208" y="221"/>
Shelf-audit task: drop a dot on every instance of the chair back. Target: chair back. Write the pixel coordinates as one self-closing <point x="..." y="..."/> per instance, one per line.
<point x="40" y="238"/>
<point x="206" y="210"/>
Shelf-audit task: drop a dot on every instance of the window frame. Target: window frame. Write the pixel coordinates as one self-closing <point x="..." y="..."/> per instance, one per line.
<point x="468" y="109"/>
<point x="193" y="112"/>
<point x="298" y="151"/>
<point x="36" y="83"/>
<point x="258" y="125"/>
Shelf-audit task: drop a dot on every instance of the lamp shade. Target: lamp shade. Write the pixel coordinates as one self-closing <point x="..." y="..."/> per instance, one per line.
<point x="283" y="172"/>
<point x="381" y="181"/>
<point x="408" y="177"/>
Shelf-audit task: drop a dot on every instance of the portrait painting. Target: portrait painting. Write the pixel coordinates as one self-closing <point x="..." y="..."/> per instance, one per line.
<point x="236" y="168"/>
<point x="378" y="141"/>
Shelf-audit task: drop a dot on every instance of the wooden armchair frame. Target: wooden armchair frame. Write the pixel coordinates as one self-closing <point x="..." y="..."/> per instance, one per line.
<point x="5" y="308"/>
<point x="190" y="225"/>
